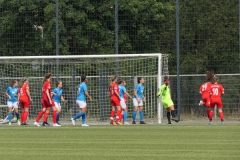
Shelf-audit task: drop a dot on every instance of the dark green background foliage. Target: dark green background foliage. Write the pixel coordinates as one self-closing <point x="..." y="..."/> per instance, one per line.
<point x="208" y="30"/>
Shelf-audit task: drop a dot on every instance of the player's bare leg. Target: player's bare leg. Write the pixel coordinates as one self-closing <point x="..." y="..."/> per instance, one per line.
<point x="17" y="115"/>
<point x="10" y="115"/>
<point x="141" y="115"/>
<point x="40" y="114"/>
<point x="58" y="115"/>
<point x="221" y="115"/>
<point x="112" y="114"/>
<point x="173" y="113"/>
<point x="134" y="114"/>
<point x="54" y="116"/>
<point x="210" y="116"/>
<point x="118" y="115"/>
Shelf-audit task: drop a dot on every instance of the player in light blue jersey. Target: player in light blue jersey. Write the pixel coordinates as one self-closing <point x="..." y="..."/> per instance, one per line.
<point x="57" y="98"/>
<point x="12" y="101"/>
<point x="123" y="91"/>
<point x="138" y="100"/>
<point x="81" y="101"/>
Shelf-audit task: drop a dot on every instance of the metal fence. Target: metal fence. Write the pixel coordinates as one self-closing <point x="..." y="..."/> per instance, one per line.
<point x="206" y="37"/>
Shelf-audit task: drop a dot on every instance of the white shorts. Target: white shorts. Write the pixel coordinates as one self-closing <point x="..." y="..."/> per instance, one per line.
<point x="57" y="105"/>
<point x="123" y="104"/>
<point x="136" y="104"/>
<point x="81" y="104"/>
<point x="12" y="104"/>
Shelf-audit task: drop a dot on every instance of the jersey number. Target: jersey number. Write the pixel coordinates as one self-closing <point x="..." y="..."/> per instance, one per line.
<point x="215" y="91"/>
<point x="204" y="87"/>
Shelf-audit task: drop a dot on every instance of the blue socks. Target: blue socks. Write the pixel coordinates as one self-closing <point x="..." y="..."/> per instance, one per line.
<point x="125" y="114"/>
<point x="17" y="115"/>
<point x="141" y="115"/>
<point x="84" y="119"/>
<point x="9" y="117"/>
<point x="58" y="117"/>
<point x="81" y="114"/>
<point x="134" y="115"/>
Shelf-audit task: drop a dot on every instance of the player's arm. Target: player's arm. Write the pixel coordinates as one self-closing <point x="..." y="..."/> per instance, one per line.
<point x="135" y="94"/>
<point x="117" y="94"/>
<point x="18" y="95"/>
<point x="144" y="98"/>
<point x="222" y="90"/>
<point x="62" y="99"/>
<point x="87" y="94"/>
<point x="28" y="93"/>
<point x="128" y="94"/>
<point x="200" y="90"/>
<point x="48" y="95"/>
<point x="160" y="92"/>
<point x="6" y="93"/>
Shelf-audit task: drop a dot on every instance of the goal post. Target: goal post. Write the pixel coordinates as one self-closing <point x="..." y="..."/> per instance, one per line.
<point x="98" y="69"/>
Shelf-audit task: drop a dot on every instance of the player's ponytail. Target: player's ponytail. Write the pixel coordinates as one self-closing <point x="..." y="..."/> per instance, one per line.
<point x="46" y="77"/>
<point x="13" y="82"/>
<point x="215" y="79"/>
<point x="209" y="75"/>
<point x="112" y="79"/>
<point x="22" y="81"/>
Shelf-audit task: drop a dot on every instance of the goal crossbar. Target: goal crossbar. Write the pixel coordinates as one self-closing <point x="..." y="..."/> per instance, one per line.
<point x="82" y="56"/>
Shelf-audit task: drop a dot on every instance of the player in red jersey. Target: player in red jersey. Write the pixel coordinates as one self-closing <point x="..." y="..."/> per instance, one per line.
<point x="216" y="93"/>
<point x="24" y="99"/>
<point x="115" y="101"/>
<point x="47" y="103"/>
<point x="204" y="90"/>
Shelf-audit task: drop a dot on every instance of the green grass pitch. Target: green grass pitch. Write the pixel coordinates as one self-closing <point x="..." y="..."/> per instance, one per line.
<point x="140" y="142"/>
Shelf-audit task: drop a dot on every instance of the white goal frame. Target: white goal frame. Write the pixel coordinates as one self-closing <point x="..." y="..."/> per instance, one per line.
<point x="157" y="55"/>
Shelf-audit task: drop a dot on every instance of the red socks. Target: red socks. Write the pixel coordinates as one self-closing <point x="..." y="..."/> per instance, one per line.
<point x="54" y="115"/>
<point x="118" y="115"/>
<point x="210" y="115"/>
<point x="208" y="111"/>
<point x="22" y="116"/>
<point x="25" y="116"/>
<point x="40" y="114"/>
<point x="221" y="115"/>
<point x="45" y="117"/>
<point x="112" y="116"/>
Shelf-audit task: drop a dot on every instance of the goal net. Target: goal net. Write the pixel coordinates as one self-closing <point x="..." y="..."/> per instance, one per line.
<point x="98" y="69"/>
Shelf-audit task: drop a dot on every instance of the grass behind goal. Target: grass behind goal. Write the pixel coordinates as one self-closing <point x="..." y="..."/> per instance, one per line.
<point x="152" y="142"/>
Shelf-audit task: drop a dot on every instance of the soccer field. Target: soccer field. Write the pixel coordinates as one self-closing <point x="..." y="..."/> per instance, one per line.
<point x="141" y="142"/>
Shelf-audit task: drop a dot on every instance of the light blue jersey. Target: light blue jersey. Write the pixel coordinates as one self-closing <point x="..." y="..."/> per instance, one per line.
<point x="57" y="94"/>
<point x="139" y="88"/>
<point x="81" y="92"/>
<point x="11" y="92"/>
<point x="122" y="90"/>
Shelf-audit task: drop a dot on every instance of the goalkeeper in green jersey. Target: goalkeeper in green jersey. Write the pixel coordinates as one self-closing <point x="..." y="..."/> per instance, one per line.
<point x="167" y="101"/>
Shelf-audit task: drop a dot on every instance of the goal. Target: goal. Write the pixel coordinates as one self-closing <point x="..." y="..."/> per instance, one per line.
<point x="98" y="69"/>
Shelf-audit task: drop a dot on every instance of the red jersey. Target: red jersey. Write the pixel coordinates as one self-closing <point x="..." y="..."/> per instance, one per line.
<point x="23" y="91"/>
<point x="217" y="90"/>
<point x="113" y="88"/>
<point x="205" y="89"/>
<point x="46" y="86"/>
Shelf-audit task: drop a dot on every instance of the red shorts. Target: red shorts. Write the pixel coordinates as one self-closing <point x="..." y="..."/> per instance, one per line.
<point x="216" y="101"/>
<point x="46" y="104"/>
<point x="206" y="101"/>
<point x="115" y="101"/>
<point x="24" y="103"/>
